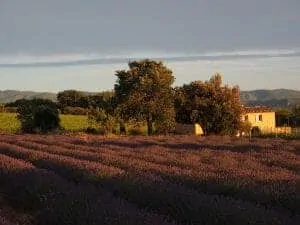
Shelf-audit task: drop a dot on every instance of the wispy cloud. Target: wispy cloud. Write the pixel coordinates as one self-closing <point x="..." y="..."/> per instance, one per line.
<point x="23" y="60"/>
<point x="249" y="73"/>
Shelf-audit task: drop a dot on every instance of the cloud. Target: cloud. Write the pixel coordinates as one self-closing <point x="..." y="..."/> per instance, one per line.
<point x="23" y="60"/>
<point x="249" y="73"/>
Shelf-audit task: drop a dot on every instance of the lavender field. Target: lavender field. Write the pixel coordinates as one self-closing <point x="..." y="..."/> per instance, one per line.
<point x="148" y="180"/>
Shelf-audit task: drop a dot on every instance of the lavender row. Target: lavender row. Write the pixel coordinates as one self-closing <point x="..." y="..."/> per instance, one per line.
<point x="180" y="203"/>
<point x="54" y="200"/>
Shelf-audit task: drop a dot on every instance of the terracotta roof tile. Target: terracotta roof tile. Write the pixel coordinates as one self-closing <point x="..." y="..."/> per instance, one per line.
<point x="257" y="109"/>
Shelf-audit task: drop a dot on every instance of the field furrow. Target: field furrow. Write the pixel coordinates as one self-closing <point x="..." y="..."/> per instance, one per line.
<point x="280" y="153"/>
<point x="180" y="203"/>
<point x="237" y="183"/>
<point x="189" y="180"/>
<point x="53" y="200"/>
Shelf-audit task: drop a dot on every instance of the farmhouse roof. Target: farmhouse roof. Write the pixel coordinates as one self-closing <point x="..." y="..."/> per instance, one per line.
<point x="257" y="109"/>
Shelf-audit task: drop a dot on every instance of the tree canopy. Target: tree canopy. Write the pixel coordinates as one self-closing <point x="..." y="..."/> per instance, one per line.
<point x="71" y="98"/>
<point x="144" y="93"/>
<point x="215" y="107"/>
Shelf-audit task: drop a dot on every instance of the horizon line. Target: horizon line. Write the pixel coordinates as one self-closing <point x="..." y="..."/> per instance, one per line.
<point x="50" y="92"/>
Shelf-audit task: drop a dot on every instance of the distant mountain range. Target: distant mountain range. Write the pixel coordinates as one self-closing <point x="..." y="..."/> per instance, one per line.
<point x="277" y="98"/>
<point x="7" y="96"/>
<point x="272" y="98"/>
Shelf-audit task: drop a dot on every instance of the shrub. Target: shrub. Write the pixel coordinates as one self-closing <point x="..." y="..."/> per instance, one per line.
<point x="245" y="127"/>
<point x="74" y="110"/>
<point x="93" y="130"/>
<point x="38" y="115"/>
<point x="136" y="131"/>
<point x="2" y="109"/>
<point x="46" y="118"/>
<point x="10" y="109"/>
<point x="255" y="131"/>
<point x="106" y="121"/>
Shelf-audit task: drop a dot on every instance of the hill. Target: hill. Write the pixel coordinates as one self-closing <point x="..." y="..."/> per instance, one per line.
<point x="7" y="96"/>
<point x="265" y="95"/>
<point x="272" y="98"/>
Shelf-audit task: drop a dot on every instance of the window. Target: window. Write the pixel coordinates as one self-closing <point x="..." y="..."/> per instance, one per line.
<point x="258" y="118"/>
<point x="246" y="118"/>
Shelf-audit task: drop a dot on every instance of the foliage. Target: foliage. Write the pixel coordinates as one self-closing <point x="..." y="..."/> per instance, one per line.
<point x="283" y="117"/>
<point x="10" y="109"/>
<point x="104" y="100"/>
<point x="245" y="127"/>
<point x="9" y="123"/>
<point x="16" y="103"/>
<point x="46" y="118"/>
<point x="136" y="131"/>
<point x="2" y="109"/>
<point x="105" y="120"/>
<point x="295" y="119"/>
<point x="288" y="117"/>
<point x="166" y="122"/>
<point x="94" y="130"/>
<point x="76" y="99"/>
<point x="69" y="123"/>
<point x="144" y="93"/>
<point x="71" y="98"/>
<point x="215" y="107"/>
<point x="74" y="110"/>
<point x="255" y="131"/>
<point x="38" y="115"/>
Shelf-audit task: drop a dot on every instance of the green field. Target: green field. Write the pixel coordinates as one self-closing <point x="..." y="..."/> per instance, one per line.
<point x="71" y="123"/>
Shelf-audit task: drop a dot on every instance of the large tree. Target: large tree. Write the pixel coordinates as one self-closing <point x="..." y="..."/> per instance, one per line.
<point x="104" y="100"/>
<point x="284" y="117"/>
<point x="144" y="93"/>
<point x="217" y="108"/>
<point x="72" y="98"/>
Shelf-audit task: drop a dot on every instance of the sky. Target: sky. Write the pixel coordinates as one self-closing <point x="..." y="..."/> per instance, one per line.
<point x="53" y="45"/>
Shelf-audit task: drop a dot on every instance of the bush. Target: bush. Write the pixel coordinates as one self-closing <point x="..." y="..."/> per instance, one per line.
<point x="99" y="117"/>
<point x="255" y="131"/>
<point x="46" y="118"/>
<point x="74" y="110"/>
<point x="10" y="109"/>
<point x="38" y="115"/>
<point x="245" y="127"/>
<point x="2" y="109"/>
<point x="93" y="130"/>
<point x="136" y="131"/>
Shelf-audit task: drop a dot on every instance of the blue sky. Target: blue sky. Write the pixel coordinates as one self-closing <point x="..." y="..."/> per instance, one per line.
<point x="51" y="45"/>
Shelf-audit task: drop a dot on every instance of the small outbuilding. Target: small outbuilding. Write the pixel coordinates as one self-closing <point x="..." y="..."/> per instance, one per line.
<point x="190" y="129"/>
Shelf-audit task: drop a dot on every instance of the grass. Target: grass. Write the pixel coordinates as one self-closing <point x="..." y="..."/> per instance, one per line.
<point x="9" y="123"/>
<point x="74" y="123"/>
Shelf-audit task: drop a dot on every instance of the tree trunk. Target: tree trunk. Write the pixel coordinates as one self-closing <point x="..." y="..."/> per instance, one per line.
<point x="122" y="128"/>
<point x="149" y="125"/>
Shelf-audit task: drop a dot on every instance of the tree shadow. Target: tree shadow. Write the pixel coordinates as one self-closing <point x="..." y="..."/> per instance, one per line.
<point x="59" y="201"/>
<point x="52" y="199"/>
